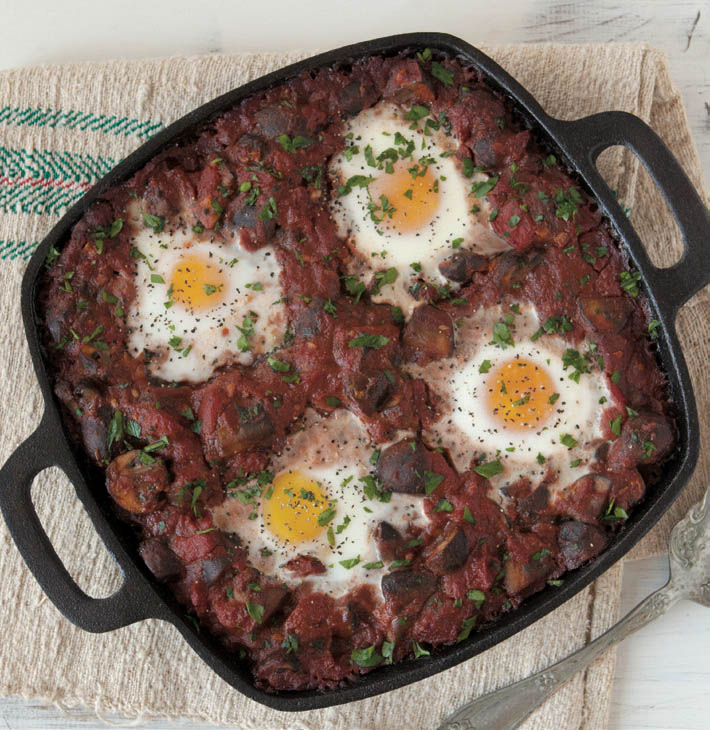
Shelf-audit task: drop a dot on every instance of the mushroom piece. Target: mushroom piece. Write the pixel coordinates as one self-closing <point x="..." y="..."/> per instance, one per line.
<point x="249" y="149"/>
<point x="460" y="267"/>
<point x="580" y="542"/>
<point x="646" y="438"/>
<point x="484" y="153"/>
<point x="212" y="568"/>
<point x="272" y="598"/>
<point x="369" y="390"/>
<point x="401" y="467"/>
<point x="408" y="84"/>
<point x="449" y="553"/>
<point x="275" y="119"/>
<point x="387" y="539"/>
<point x="303" y="565"/>
<point x="408" y="588"/>
<point x="605" y="314"/>
<point x="137" y="481"/>
<point x="356" y="95"/>
<point x="536" y="502"/>
<point x="428" y="336"/>
<point x="521" y="576"/>
<point x="585" y="498"/>
<point x="243" y="429"/>
<point x="160" y="559"/>
<point x="243" y="219"/>
<point x="309" y="322"/>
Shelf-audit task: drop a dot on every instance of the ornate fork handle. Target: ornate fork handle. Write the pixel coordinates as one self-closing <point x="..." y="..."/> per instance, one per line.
<point x="506" y="708"/>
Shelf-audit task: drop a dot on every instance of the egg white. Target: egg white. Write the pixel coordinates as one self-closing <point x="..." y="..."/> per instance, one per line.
<point x="335" y="452"/>
<point x="460" y="220"/>
<point x="187" y="343"/>
<point x="468" y="429"/>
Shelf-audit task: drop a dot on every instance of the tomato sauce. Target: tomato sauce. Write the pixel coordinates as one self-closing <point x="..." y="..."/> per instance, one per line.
<point x="170" y="449"/>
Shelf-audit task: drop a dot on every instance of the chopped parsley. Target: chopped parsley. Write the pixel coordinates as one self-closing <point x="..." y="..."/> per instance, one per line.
<point x="350" y="562"/>
<point x="366" y="340"/>
<point x="478" y="597"/>
<point x="256" y="611"/>
<point x="439" y="72"/>
<point x="483" y="187"/>
<point x="615" y="426"/>
<point x="568" y="440"/>
<point x="367" y="657"/>
<point x="629" y="281"/>
<point x="294" y="144"/>
<point x="278" y="366"/>
<point x="269" y="211"/>
<point x="444" y="506"/>
<point x="567" y="203"/>
<point x="501" y="335"/>
<point x="156" y="222"/>
<point x="489" y="469"/>
<point x="326" y="516"/>
<point x="466" y="627"/>
<point x="431" y="481"/>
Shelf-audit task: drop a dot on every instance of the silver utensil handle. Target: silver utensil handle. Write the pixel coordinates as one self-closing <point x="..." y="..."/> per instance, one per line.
<point x="507" y="707"/>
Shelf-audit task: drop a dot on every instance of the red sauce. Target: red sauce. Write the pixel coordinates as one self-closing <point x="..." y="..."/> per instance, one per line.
<point x="463" y="572"/>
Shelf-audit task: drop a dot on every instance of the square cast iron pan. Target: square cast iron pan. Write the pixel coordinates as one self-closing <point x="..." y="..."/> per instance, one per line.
<point x="578" y="143"/>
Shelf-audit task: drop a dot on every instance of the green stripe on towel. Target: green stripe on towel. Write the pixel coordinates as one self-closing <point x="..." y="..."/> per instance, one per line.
<point x="84" y="121"/>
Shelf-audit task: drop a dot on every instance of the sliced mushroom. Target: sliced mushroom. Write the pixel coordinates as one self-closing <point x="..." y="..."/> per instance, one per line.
<point x="137" y="483"/>
<point x="303" y="565"/>
<point x="387" y="539"/>
<point x="462" y="265"/>
<point x="585" y="498"/>
<point x="356" y="95"/>
<point x="243" y="429"/>
<point x="244" y="219"/>
<point x="645" y="439"/>
<point x="519" y="577"/>
<point x="408" y="84"/>
<point x="449" y="553"/>
<point x="213" y="568"/>
<point x="605" y="314"/>
<point x="276" y="119"/>
<point x="402" y="466"/>
<point x="94" y="433"/>
<point x="536" y="502"/>
<point x="309" y="322"/>
<point x="428" y="336"/>
<point x="369" y="390"/>
<point x="160" y="559"/>
<point x="272" y="598"/>
<point x="580" y="542"/>
<point x="249" y="149"/>
<point x="484" y="153"/>
<point x="408" y="588"/>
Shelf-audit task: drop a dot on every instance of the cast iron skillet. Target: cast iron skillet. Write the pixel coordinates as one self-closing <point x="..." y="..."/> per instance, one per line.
<point x="578" y="143"/>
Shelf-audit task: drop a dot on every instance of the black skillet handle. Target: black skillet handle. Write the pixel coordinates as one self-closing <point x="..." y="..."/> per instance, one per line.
<point x="592" y="135"/>
<point x="91" y="614"/>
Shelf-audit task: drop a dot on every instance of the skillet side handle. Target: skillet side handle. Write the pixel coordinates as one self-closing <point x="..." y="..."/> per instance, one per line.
<point x="593" y="134"/>
<point x="91" y="614"/>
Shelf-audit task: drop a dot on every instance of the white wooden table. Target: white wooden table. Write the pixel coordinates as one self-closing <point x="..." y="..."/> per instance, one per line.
<point x="663" y="673"/>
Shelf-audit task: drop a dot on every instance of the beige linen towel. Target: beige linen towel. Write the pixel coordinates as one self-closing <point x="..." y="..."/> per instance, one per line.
<point x="62" y="127"/>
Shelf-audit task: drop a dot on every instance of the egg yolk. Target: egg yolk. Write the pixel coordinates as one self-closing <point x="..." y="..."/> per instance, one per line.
<point x="292" y="512"/>
<point x="520" y="394"/>
<point x="405" y="203"/>
<point x="196" y="283"/>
